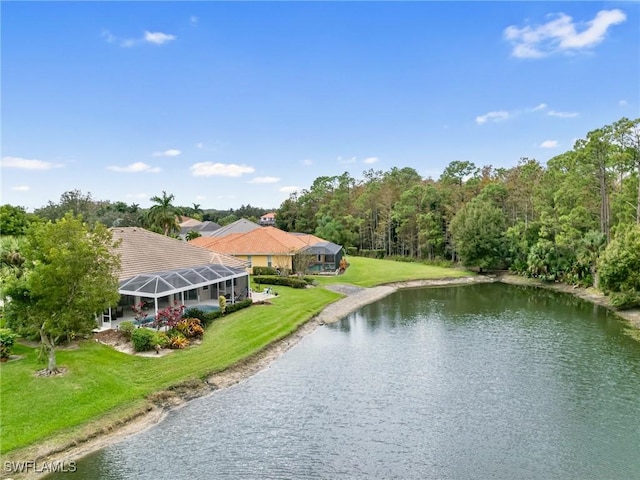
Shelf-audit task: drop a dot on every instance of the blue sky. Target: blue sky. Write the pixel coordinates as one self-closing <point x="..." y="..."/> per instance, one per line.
<point x="231" y="103"/>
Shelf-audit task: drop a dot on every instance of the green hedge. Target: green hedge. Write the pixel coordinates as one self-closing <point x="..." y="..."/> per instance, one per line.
<point x="353" y="251"/>
<point x="264" y="271"/>
<point x="234" y="307"/>
<point x="277" y="280"/>
<point x="143" y="339"/>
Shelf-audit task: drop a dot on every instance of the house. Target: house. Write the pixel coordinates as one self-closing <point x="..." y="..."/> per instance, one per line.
<point x="239" y="226"/>
<point x="160" y="270"/>
<point x="326" y="255"/>
<point x="205" y="228"/>
<point x="261" y="246"/>
<point x="268" y="219"/>
<point x="272" y="247"/>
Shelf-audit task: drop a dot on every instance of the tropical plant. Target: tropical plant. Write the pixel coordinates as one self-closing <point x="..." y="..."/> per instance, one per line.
<point x="163" y="215"/>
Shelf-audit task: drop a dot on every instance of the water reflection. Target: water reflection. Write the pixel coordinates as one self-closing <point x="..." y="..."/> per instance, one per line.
<point x="481" y="381"/>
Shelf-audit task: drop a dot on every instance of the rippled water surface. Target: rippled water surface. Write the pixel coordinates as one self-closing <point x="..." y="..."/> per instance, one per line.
<point x="474" y="382"/>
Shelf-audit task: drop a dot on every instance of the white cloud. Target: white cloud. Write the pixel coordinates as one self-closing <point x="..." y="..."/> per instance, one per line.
<point x="137" y="195"/>
<point x="27" y="164"/>
<point x="623" y="103"/>
<point x="200" y="197"/>
<point x="194" y="20"/>
<point x="549" y="144"/>
<point x="200" y="145"/>
<point x="21" y="188"/>
<point x="560" y="34"/>
<point x="553" y="113"/>
<point x="537" y="108"/>
<point x="158" y="38"/>
<point x="371" y="160"/>
<point x="346" y="161"/>
<point x="264" y="180"/>
<point x="136" y="167"/>
<point x="493" y="117"/>
<point x="172" y="152"/>
<point x="208" y="169"/>
<point x="290" y="189"/>
<point x="307" y="162"/>
<point x="108" y="36"/>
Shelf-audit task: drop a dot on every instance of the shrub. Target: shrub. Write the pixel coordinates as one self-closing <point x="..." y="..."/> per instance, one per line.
<point x="127" y="327"/>
<point x="210" y="317"/>
<point x="234" y="307"/>
<point x="195" y="312"/>
<point x="190" y="328"/>
<point x="286" y="281"/>
<point x="223" y="303"/>
<point x="353" y="251"/>
<point x="625" y="300"/>
<point x="143" y="339"/>
<point x="7" y="339"/>
<point x="178" y="341"/>
<point x="160" y="339"/>
<point x="264" y="271"/>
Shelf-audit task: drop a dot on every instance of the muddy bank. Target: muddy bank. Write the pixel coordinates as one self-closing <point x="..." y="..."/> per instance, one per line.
<point x="104" y="432"/>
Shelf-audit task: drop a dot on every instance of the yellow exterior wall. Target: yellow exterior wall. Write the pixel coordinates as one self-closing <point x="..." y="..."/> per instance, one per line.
<point x="277" y="261"/>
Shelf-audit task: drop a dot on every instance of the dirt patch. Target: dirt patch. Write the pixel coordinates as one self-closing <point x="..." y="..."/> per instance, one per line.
<point x="118" y="340"/>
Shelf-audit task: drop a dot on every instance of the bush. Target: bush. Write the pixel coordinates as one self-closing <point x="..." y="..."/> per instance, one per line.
<point x="195" y="312"/>
<point x="234" y="307"/>
<point x="285" y="281"/>
<point x="264" y="271"/>
<point x="160" y="339"/>
<point x="222" y="301"/>
<point x="143" y="339"/>
<point x="190" y="328"/>
<point x="353" y="251"/>
<point x="127" y="327"/>
<point x="210" y="317"/>
<point x="625" y="300"/>
<point x="7" y="339"/>
<point x="177" y="340"/>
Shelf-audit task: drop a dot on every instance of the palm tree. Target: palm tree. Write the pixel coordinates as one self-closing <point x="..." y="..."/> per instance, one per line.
<point x="163" y="216"/>
<point x="196" y="211"/>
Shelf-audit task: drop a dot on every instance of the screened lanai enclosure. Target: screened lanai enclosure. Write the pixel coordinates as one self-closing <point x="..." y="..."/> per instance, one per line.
<point x="191" y="275"/>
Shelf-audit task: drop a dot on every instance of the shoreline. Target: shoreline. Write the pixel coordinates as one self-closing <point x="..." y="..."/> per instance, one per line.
<point x="104" y="432"/>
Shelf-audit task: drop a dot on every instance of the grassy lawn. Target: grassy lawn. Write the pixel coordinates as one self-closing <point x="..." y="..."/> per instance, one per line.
<point x="369" y="272"/>
<point x="101" y="381"/>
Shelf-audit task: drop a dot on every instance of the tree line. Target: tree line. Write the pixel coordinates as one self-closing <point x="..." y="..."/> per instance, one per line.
<point x="571" y="220"/>
<point x="575" y="219"/>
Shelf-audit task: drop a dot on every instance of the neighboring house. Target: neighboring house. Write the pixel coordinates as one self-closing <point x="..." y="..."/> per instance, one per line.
<point x="161" y="270"/>
<point x="327" y="255"/>
<point x="268" y="219"/>
<point x="262" y="246"/>
<point x="239" y="226"/>
<point x="205" y="228"/>
<point x="272" y="247"/>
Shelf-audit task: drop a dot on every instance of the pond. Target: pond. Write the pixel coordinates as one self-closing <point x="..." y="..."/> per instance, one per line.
<point x="485" y="381"/>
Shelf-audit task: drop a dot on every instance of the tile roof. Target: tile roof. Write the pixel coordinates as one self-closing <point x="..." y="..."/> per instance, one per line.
<point x="260" y="241"/>
<point x="239" y="226"/>
<point x="142" y="251"/>
<point x="308" y="238"/>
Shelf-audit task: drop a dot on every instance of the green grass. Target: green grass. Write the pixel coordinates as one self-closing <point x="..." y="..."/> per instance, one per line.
<point x="368" y="272"/>
<point x="100" y="381"/>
